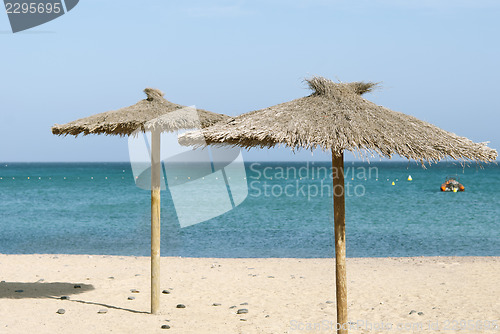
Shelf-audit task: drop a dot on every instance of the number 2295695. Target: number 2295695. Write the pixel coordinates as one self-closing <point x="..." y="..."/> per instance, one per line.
<point x="33" y="8"/>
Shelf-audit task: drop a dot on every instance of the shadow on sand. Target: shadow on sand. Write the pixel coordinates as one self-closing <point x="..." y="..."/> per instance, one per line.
<point x="53" y="290"/>
<point x="18" y="290"/>
<point x="105" y="305"/>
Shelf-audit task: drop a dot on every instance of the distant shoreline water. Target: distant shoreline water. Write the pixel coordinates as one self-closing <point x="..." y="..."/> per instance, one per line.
<point x="96" y="208"/>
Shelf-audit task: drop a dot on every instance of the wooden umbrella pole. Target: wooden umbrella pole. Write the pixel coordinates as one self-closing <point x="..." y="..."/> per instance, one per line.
<point x="155" y="221"/>
<point x="339" y="217"/>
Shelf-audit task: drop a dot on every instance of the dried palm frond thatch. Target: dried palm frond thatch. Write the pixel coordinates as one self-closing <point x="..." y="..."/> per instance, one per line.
<point x="336" y="117"/>
<point x="152" y="113"/>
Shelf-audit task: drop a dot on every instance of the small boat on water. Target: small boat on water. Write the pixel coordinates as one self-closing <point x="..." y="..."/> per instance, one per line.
<point x="452" y="184"/>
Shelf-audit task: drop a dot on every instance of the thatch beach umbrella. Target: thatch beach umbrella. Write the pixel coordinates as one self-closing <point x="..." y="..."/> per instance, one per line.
<point x="335" y="117"/>
<point x="156" y="115"/>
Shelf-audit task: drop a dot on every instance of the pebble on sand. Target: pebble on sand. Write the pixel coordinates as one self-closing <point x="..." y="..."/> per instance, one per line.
<point x="134" y="290"/>
<point x="131" y="298"/>
<point x="234" y="306"/>
<point x="19" y="291"/>
<point x="165" y="292"/>
<point x="216" y="304"/>
<point x="165" y="326"/>
<point x="412" y="312"/>
<point x="420" y="313"/>
<point x="245" y="303"/>
<point x="65" y="297"/>
<point x="181" y="306"/>
<point x="102" y="311"/>
<point x="77" y="286"/>
<point x="242" y="311"/>
<point x="329" y="302"/>
<point x="61" y="311"/>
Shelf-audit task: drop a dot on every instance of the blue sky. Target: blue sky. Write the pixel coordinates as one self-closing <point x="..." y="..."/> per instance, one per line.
<point x="437" y="60"/>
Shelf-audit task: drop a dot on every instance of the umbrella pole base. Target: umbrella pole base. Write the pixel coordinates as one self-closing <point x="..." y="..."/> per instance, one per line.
<point x="155" y="253"/>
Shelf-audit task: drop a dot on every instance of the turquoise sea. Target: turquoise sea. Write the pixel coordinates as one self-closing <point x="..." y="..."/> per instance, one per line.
<point x="96" y="208"/>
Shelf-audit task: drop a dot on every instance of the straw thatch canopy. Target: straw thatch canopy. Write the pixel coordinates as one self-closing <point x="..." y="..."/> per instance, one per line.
<point x="152" y="113"/>
<point x="336" y="117"/>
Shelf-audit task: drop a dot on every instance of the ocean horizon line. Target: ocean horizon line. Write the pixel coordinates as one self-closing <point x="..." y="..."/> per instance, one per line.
<point x="266" y="161"/>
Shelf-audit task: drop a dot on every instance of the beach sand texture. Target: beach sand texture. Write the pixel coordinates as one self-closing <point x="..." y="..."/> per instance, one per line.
<point x="282" y="295"/>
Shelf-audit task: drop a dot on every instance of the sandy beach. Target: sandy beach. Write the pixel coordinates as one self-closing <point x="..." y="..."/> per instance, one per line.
<point x="386" y="295"/>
